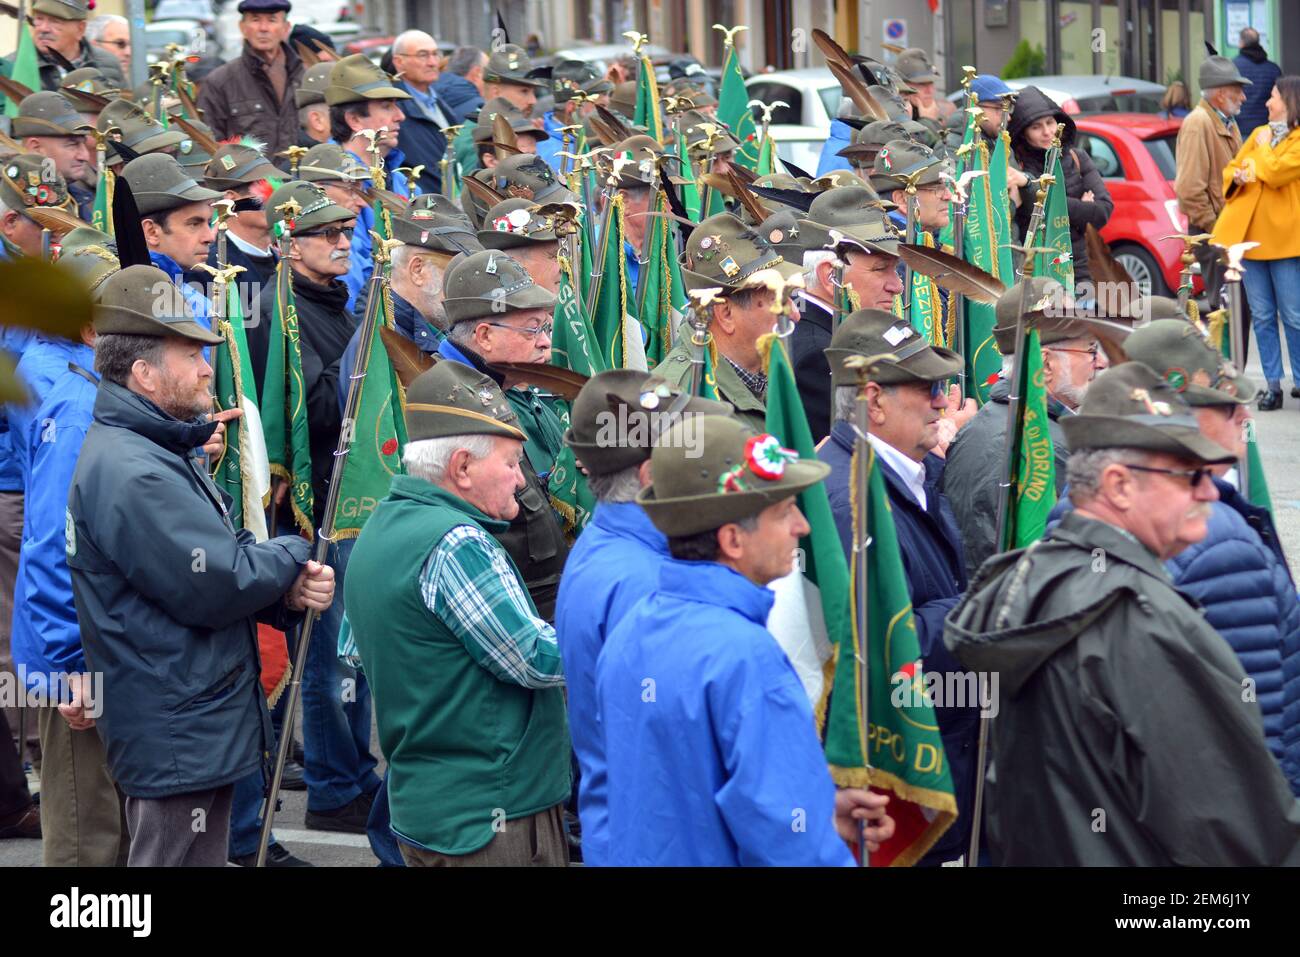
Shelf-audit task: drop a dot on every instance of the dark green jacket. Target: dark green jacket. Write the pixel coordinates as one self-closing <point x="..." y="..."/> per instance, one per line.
<point x="463" y="747"/>
<point x="676" y="368"/>
<point x="1122" y="737"/>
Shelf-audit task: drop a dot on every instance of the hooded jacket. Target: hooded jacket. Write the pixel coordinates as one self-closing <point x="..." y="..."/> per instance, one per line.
<point x="167" y="593"/>
<point x="1080" y="174"/>
<point x="973" y="471"/>
<point x="1122" y="733"/>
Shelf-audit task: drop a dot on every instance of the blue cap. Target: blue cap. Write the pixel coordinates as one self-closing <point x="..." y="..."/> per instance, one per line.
<point x="263" y="6"/>
<point x="989" y="88"/>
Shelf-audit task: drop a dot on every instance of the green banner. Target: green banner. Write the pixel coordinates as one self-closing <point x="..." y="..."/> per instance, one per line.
<point x="284" y="403"/>
<point x="237" y="470"/>
<point x="1033" y="490"/>
<point x="1059" y="264"/>
<point x="733" y="110"/>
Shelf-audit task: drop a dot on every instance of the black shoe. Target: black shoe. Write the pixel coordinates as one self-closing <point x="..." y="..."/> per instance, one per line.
<point x="1295" y="391"/>
<point x="276" y="856"/>
<point x="24" y="824"/>
<point x="1272" y="400"/>
<point x="349" y="819"/>
<point x="292" y="779"/>
<point x="298" y="756"/>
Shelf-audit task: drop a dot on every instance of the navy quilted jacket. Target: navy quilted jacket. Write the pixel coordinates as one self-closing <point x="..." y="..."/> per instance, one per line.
<point x="1253" y="63"/>
<point x="1238" y="572"/>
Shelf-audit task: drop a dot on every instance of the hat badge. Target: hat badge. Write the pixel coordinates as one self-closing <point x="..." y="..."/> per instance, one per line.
<point x="885" y="159"/>
<point x="1155" y="408"/>
<point x="1177" y="378"/>
<point x="227" y="162"/>
<point x="775" y="236"/>
<point x="729" y="266"/>
<point x="767" y="458"/>
<point x="485" y="395"/>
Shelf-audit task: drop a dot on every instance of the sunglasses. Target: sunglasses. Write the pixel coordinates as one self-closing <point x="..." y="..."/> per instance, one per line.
<point x="1194" y="476"/>
<point x="331" y="234"/>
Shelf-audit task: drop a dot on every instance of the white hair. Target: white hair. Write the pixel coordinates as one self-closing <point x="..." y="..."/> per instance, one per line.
<point x="410" y="36"/>
<point x="309" y="109"/>
<point x="1084" y="467"/>
<point x="428" y="458"/>
<point x="813" y="258"/>
<point x="98" y="26"/>
<point x="620" y="486"/>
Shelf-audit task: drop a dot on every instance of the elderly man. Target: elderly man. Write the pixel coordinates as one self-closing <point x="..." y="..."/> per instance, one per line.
<point x="1238" y="572"/>
<point x="508" y="86"/>
<point x="529" y="238"/>
<point x="973" y="475"/>
<point x="242" y="173"/>
<point x="25" y="184"/>
<point x="709" y="743"/>
<point x="497" y="313"/>
<point x="1118" y="691"/>
<point x="339" y="769"/>
<point x="570" y="78"/>
<point x="460" y="86"/>
<point x="59" y="30"/>
<point x="252" y="95"/>
<point x="467" y="675"/>
<point x="313" y="111"/>
<point x="167" y="598"/>
<point x="361" y="96"/>
<point x="897" y="161"/>
<point x="49" y="125"/>
<point x="340" y="174"/>
<point x="914" y="66"/>
<point x="615" y="562"/>
<point x="726" y="254"/>
<point x="906" y="400"/>
<point x="1207" y="142"/>
<point x="847" y="228"/>
<point x="416" y="60"/>
<point x="112" y="34"/>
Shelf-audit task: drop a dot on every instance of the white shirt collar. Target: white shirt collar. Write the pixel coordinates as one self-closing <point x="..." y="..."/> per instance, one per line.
<point x="911" y="472"/>
<point x="246" y="246"/>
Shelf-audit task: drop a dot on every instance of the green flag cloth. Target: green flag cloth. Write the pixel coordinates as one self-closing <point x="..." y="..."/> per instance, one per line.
<point x="981" y="247"/>
<point x="1258" y="493"/>
<point x="284" y="402"/>
<point x="646" y="114"/>
<point x="101" y="210"/>
<point x="25" y="68"/>
<point x="241" y="471"/>
<point x="378" y="432"/>
<point x="811" y="613"/>
<point x="901" y="750"/>
<point x="664" y="299"/>
<point x="1056" y="220"/>
<point x="1033" y="484"/>
<point x="733" y="109"/>
<point x="574" y="347"/>
<point x="766" y="164"/>
<point x="690" y="190"/>
<point x="617" y="332"/>
<point x="927" y="313"/>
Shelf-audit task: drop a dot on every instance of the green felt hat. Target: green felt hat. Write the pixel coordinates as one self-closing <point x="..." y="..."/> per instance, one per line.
<point x="143" y="301"/>
<point x="874" y="332"/>
<point x="455" y="399"/>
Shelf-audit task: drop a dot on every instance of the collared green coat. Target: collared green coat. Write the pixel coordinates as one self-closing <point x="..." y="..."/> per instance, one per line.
<point x="676" y="368"/>
<point x="1125" y="733"/>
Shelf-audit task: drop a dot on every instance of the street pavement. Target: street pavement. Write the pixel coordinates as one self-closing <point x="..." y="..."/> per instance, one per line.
<point x="1277" y="432"/>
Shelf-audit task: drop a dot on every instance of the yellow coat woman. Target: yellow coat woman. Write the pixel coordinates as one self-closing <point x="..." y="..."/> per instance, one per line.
<point x="1262" y="189"/>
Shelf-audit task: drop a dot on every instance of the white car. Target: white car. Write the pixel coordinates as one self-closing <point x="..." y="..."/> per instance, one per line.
<point x="602" y="55"/>
<point x="186" y="33"/>
<point x="1093" y="94"/>
<point x="800" y="127"/>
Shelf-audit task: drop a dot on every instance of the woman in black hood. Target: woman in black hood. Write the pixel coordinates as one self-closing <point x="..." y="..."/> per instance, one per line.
<point x="1032" y="126"/>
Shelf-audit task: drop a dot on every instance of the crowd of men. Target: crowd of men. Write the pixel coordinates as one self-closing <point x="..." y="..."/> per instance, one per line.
<point x="549" y="690"/>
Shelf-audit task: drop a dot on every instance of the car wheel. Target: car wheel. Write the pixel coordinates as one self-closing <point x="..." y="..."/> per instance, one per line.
<point x="1141" y="265"/>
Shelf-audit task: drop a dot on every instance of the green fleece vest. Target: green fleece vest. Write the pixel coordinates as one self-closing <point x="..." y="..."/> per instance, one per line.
<point x="466" y="751"/>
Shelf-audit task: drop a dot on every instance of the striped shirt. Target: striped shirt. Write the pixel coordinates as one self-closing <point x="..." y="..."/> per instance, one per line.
<point x="470" y="585"/>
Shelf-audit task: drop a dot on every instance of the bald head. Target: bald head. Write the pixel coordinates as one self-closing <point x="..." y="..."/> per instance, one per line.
<point x="415" y="57"/>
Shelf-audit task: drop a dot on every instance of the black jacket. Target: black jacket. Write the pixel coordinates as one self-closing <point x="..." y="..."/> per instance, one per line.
<point x="52" y="73"/>
<point x="812" y="370"/>
<point x="422" y="142"/>
<point x="1080" y="174"/>
<point x="238" y="100"/>
<point x="1122" y="737"/>
<point x="259" y="272"/>
<point x="973" y="473"/>
<point x="932" y="560"/>
<point x="167" y="593"/>
<point x="325" y="327"/>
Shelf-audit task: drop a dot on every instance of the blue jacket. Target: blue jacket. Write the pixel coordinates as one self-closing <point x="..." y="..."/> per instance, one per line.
<point x="1263" y="73"/>
<point x="421" y="138"/>
<point x="408" y="322"/>
<point x="458" y="96"/>
<point x="46" y="636"/>
<point x="931" y="547"/>
<point x="197" y="301"/>
<point x="15" y="343"/>
<point x="710" y="747"/>
<point x="549" y="150"/>
<point x="45" y="361"/>
<point x="841" y="136"/>
<point x="1240" y="576"/>
<point x="361" y="265"/>
<point x="614" y="564"/>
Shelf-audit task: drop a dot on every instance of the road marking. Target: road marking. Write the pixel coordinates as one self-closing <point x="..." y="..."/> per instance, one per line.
<point x="321" y="837"/>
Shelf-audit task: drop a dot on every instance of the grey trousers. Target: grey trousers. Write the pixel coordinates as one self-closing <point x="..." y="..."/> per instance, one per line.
<point x="186" y="830"/>
<point x="82" y="820"/>
<point x="536" y="841"/>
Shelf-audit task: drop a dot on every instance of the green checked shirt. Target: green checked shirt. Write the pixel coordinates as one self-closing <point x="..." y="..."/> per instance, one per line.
<point x="470" y="585"/>
<point x="466" y="677"/>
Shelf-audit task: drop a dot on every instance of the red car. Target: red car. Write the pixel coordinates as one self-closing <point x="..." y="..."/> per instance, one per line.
<point x="1134" y="152"/>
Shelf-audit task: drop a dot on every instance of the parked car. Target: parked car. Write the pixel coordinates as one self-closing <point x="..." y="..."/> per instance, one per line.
<point x="186" y="33"/>
<point x="1093" y="94"/>
<point x="812" y="97"/>
<point x="1134" y="153"/>
<point x="602" y="55"/>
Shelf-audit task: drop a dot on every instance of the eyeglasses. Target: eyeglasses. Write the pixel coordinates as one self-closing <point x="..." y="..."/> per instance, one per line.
<point x="422" y="55"/>
<point x="1093" y="350"/>
<point x="120" y="44"/>
<point x="331" y="234"/>
<point x="939" y="387"/>
<point x="531" y="332"/>
<point x="1194" y="476"/>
